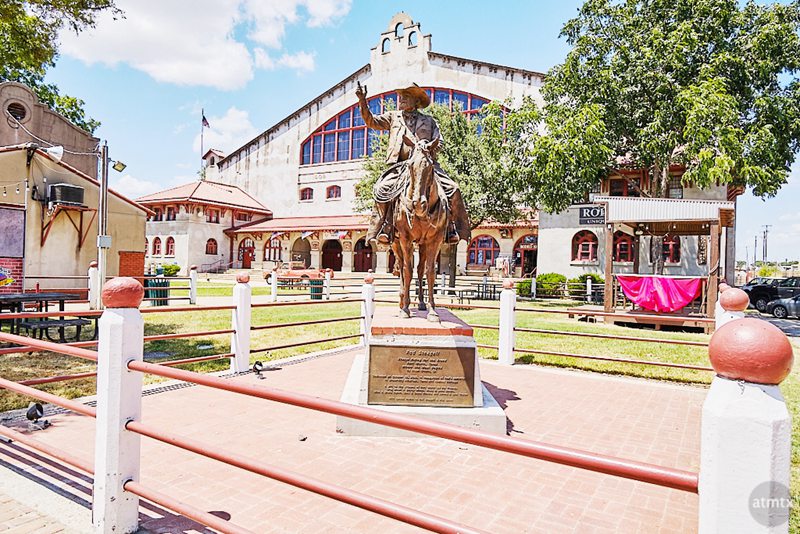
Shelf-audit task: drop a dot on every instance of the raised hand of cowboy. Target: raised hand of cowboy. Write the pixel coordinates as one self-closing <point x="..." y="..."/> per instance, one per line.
<point x="361" y="92"/>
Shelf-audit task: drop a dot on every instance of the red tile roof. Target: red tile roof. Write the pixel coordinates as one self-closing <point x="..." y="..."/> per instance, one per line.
<point x="304" y="224"/>
<point x="207" y="193"/>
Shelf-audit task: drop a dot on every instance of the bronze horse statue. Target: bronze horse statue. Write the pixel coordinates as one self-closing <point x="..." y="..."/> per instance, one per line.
<point x="420" y="217"/>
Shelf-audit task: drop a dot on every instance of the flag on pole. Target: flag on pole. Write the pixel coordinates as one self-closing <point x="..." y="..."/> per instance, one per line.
<point x="276" y="234"/>
<point x="205" y="122"/>
<point x="341" y="234"/>
<point x="306" y="234"/>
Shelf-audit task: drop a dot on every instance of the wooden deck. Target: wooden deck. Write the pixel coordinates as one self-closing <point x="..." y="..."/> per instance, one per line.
<point x="622" y="316"/>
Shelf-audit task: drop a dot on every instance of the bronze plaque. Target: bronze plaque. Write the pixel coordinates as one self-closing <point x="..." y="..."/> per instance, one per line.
<point x="421" y="376"/>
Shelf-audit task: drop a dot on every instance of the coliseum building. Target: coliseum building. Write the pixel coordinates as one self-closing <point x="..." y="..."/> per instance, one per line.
<point x="304" y="170"/>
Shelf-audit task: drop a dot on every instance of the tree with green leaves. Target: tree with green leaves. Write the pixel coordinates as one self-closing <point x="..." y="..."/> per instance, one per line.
<point x="29" y="46"/>
<point x="709" y="85"/>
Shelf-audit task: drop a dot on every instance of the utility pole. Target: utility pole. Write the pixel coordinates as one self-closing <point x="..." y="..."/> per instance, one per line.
<point x="755" y="250"/>
<point x="103" y="239"/>
<point x="766" y="234"/>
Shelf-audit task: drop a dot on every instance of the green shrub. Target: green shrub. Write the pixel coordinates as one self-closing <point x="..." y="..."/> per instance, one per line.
<point x="170" y="269"/>
<point x="549" y="284"/>
<point x="524" y="287"/>
<point x="596" y="279"/>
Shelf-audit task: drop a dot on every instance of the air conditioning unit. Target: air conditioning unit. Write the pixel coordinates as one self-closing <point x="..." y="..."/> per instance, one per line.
<point x="68" y="194"/>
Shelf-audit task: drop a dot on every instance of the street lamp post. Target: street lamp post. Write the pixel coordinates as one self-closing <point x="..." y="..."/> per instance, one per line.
<point x="103" y="239"/>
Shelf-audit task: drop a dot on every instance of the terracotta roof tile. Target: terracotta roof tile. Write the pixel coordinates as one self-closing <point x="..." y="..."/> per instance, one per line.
<point x="303" y="224"/>
<point x="209" y="193"/>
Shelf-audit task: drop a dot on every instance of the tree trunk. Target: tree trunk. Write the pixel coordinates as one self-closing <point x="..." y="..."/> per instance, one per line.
<point x="658" y="189"/>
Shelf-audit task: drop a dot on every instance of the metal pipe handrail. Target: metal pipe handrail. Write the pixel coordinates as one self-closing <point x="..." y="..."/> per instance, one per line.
<point x="303" y="323"/>
<point x="59" y="348"/>
<point x="644" y="472"/>
<point x="610" y="359"/>
<point x="339" y="493"/>
<point x="172" y="363"/>
<point x="56" y="277"/>
<point x="204" y="518"/>
<point x="49" y="450"/>
<point x="28" y="391"/>
<point x="38" y="315"/>
<point x="612" y="336"/>
<point x="160" y="337"/>
<point x="188" y="309"/>
<point x="303" y="303"/>
<point x="300" y="344"/>
<point x="660" y="317"/>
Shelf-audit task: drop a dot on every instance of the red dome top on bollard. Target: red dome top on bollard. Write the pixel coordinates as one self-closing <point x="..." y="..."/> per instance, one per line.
<point x="508" y="283"/>
<point x="734" y="299"/>
<point x="93" y="264"/>
<point x="193" y="268"/>
<point x="243" y="278"/>
<point x="369" y="278"/>
<point x="122" y="292"/>
<point x="723" y="287"/>
<point x="752" y="350"/>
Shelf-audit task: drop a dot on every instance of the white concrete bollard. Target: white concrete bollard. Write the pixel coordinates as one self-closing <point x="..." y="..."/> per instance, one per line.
<point x="327" y="284"/>
<point x="367" y="307"/>
<point x="731" y="304"/>
<point x="95" y="287"/>
<point x="745" y="449"/>
<point x="240" y="323"/>
<point x="273" y="284"/>
<point x="193" y="284"/>
<point x="119" y="394"/>
<point x="533" y="288"/>
<point x="588" y="290"/>
<point x="505" y="335"/>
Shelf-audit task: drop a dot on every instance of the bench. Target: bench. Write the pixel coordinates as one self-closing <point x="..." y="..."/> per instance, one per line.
<point x="42" y="328"/>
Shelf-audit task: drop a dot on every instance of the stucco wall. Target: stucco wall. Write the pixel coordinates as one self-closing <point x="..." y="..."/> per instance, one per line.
<point x="62" y="254"/>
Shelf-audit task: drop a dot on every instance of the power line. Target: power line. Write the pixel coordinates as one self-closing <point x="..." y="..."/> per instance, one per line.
<point x="74" y="153"/>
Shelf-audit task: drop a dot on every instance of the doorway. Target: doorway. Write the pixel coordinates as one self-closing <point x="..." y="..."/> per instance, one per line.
<point x="362" y="256"/>
<point x="332" y="255"/>
<point x="247" y="253"/>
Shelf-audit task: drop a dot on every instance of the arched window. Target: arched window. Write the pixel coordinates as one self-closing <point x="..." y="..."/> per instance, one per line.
<point x="333" y="191"/>
<point x="584" y="246"/>
<point x="170" y="247"/>
<point x="345" y="137"/>
<point x="306" y="194"/>
<point x="483" y="250"/>
<point x="412" y="39"/>
<point x="672" y="249"/>
<point x="272" y="250"/>
<point x="212" y="161"/>
<point x="386" y="47"/>
<point x="211" y="247"/>
<point x="398" y="30"/>
<point x="623" y="247"/>
<point x="157" y="246"/>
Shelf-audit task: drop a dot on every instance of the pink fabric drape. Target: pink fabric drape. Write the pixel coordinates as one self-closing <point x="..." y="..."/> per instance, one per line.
<point x="660" y="293"/>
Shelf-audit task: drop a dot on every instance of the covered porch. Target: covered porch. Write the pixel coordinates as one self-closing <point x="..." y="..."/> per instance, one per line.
<point x="659" y="218"/>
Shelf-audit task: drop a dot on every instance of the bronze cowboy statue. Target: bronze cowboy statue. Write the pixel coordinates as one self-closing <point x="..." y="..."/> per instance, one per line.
<point x="415" y="201"/>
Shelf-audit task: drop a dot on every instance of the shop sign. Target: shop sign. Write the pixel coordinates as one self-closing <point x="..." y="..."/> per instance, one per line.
<point x="6" y="279"/>
<point x="588" y="215"/>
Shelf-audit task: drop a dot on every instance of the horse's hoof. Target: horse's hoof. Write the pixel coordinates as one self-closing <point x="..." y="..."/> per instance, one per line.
<point x="433" y="317"/>
<point x="404" y="314"/>
<point x="422" y="307"/>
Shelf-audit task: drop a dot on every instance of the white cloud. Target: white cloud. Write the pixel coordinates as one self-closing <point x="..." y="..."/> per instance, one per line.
<point x="133" y="187"/>
<point x="195" y="42"/>
<point x="227" y="132"/>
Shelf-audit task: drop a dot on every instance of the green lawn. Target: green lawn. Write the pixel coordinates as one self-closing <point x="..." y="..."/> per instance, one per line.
<point x="20" y="367"/>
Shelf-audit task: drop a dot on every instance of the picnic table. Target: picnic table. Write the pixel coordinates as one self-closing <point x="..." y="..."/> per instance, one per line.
<point x="488" y="291"/>
<point x="40" y="326"/>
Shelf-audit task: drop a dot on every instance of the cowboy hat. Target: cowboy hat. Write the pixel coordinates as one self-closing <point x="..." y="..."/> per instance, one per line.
<point x="417" y="93"/>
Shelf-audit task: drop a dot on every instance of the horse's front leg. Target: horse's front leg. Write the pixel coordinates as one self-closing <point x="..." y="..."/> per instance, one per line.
<point x="421" y="278"/>
<point x="406" y="274"/>
<point x="430" y="260"/>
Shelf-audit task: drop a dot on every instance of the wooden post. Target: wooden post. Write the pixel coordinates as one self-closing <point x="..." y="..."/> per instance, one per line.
<point x="608" y="296"/>
<point x="713" y="270"/>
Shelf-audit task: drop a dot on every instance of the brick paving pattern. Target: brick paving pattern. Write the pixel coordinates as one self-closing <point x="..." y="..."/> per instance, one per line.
<point x="500" y="493"/>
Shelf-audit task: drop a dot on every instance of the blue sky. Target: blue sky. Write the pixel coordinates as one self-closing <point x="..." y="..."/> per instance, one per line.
<point x="249" y="63"/>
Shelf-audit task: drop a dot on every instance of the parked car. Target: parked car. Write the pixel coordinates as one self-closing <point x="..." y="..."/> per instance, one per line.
<point x="296" y="271"/>
<point x="763" y="294"/>
<point x="783" y="308"/>
<point x="757" y="281"/>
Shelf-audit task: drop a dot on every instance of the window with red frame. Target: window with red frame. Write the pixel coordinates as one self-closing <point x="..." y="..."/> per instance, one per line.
<point x="170" y="213"/>
<point x="333" y="191"/>
<point x="146" y="245"/>
<point x="243" y="217"/>
<point x="483" y="250"/>
<point x="306" y="194"/>
<point x="211" y="247"/>
<point x="622" y="187"/>
<point x="170" y="247"/>
<point x="158" y="215"/>
<point x="272" y="250"/>
<point x="157" y="246"/>
<point x="212" y="216"/>
<point x="672" y="249"/>
<point x="584" y="246"/>
<point x="623" y="247"/>
<point x="345" y="137"/>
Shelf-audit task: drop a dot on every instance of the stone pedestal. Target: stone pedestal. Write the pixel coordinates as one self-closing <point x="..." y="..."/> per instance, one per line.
<point x="423" y="369"/>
